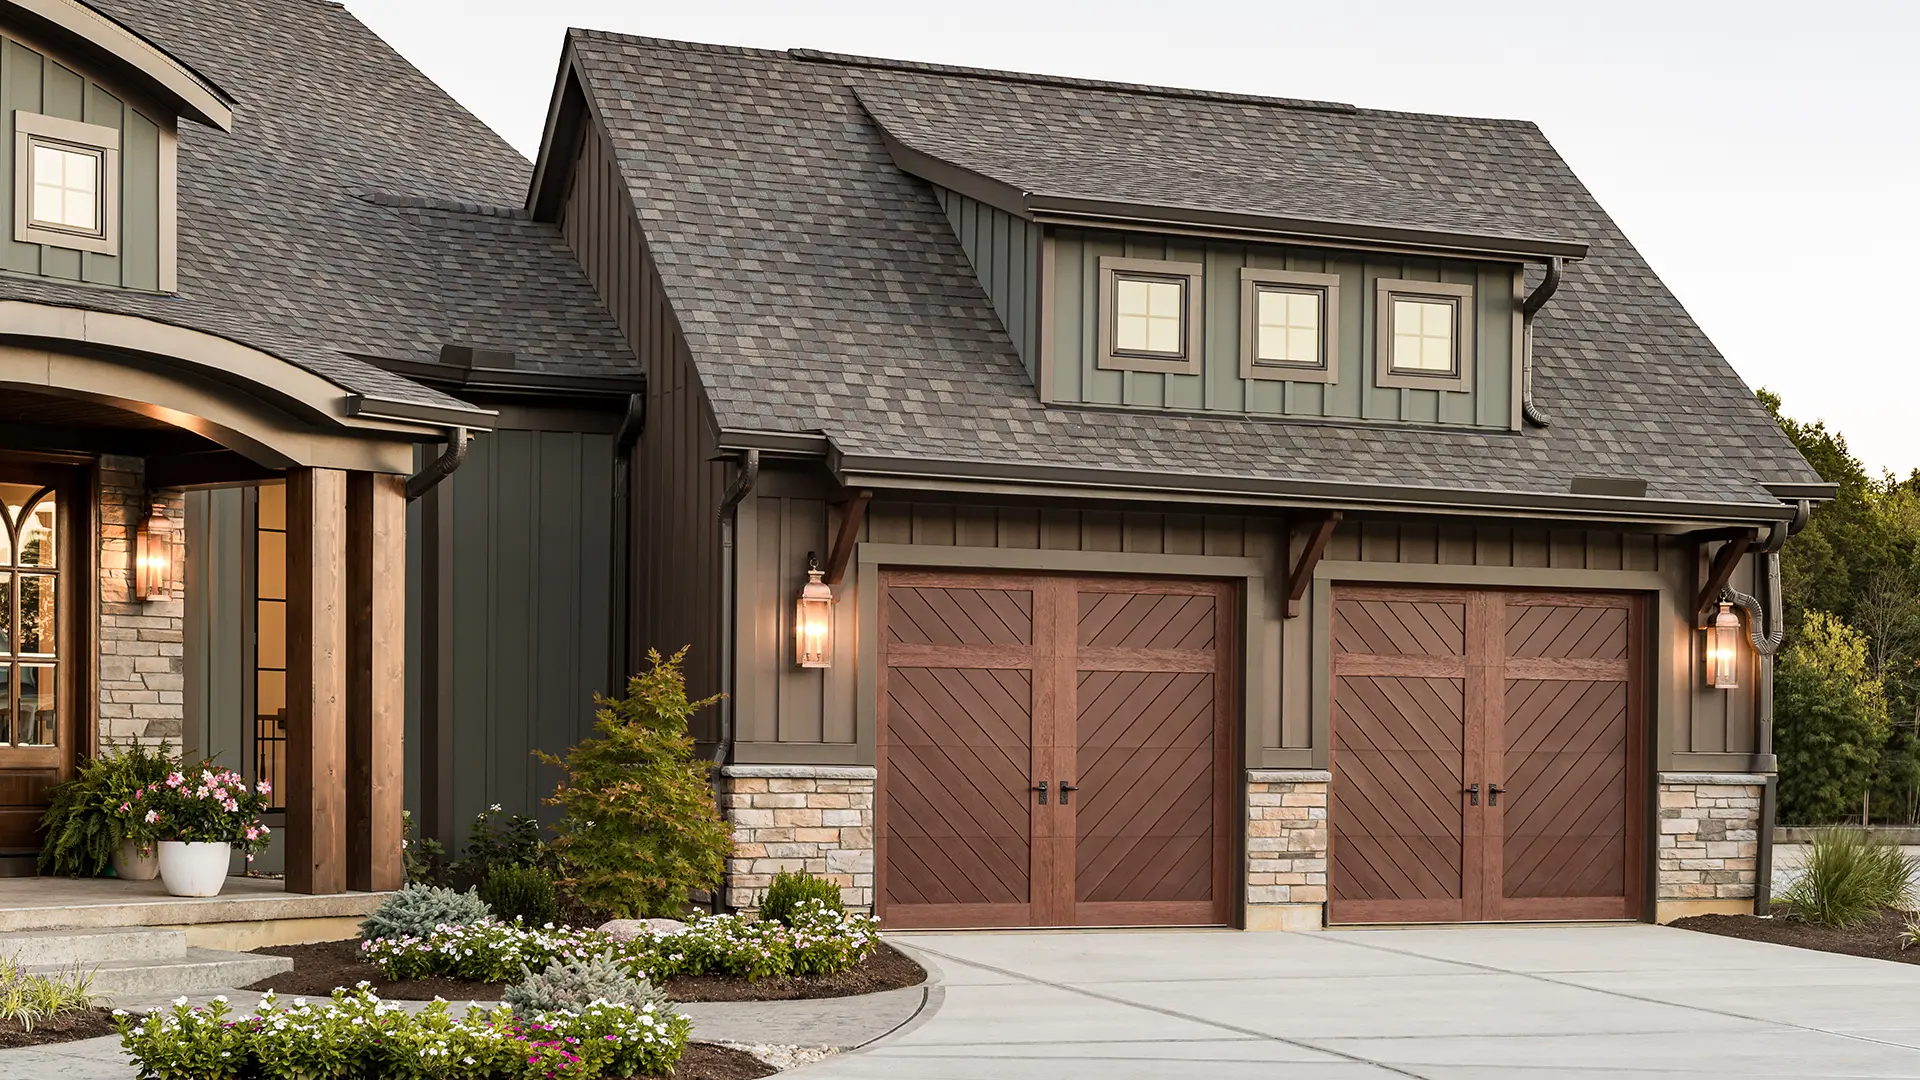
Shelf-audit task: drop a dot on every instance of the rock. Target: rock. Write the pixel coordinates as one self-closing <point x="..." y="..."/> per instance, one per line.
<point x="628" y="929"/>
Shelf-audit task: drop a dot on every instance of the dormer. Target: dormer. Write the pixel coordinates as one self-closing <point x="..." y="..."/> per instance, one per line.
<point x="1279" y="281"/>
<point x="89" y="114"/>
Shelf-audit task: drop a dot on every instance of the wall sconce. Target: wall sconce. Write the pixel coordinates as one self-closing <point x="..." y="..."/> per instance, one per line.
<point x="813" y="620"/>
<point x="1723" y="650"/>
<point x="153" y="555"/>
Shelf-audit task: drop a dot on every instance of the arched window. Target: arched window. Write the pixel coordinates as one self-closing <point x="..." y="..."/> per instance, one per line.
<point x="29" y="616"/>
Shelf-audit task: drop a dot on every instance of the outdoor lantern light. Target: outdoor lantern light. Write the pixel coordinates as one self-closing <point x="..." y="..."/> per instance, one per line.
<point x="153" y="558"/>
<point x="1723" y="649"/>
<point x="813" y="620"/>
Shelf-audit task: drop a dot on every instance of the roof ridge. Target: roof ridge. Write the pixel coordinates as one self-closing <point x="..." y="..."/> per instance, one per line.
<point x="426" y="202"/>
<point x="1144" y="89"/>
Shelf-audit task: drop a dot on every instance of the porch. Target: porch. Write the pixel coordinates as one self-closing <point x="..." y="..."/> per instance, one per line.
<point x="248" y="914"/>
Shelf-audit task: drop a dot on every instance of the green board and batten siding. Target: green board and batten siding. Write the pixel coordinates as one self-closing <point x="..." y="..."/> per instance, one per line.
<point x="1488" y="402"/>
<point x="33" y="82"/>
<point x="1005" y="253"/>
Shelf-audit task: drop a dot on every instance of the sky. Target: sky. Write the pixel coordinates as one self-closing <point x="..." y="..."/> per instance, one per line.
<point x="1764" y="156"/>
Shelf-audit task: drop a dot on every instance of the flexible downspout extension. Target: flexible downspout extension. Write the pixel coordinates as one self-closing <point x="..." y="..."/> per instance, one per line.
<point x="723" y="743"/>
<point x="441" y="467"/>
<point x="1535" y="300"/>
<point x="1766" y="628"/>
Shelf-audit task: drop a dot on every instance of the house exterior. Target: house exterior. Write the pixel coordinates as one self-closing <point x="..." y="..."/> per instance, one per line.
<point x="1098" y="504"/>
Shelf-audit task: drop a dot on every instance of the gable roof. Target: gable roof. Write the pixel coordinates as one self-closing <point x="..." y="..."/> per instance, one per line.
<point x="354" y="211"/>
<point x="822" y="291"/>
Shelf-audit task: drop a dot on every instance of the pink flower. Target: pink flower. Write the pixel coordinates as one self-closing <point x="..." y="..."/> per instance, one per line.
<point x="175" y="780"/>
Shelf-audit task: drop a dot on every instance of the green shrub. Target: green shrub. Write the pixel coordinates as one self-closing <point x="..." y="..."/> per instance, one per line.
<point x="85" y="824"/>
<point x="27" y="998"/>
<point x="495" y="840"/>
<point x="1848" y="879"/>
<point x="526" y="893"/>
<point x="1830" y="722"/>
<point x="789" y="890"/>
<point x="425" y="859"/>
<point x="416" y="910"/>
<point x="640" y="830"/>
<point x="571" y="985"/>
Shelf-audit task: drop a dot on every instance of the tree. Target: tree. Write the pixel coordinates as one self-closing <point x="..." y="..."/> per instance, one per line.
<point x="1830" y="721"/>
<point x="640" y="829"/>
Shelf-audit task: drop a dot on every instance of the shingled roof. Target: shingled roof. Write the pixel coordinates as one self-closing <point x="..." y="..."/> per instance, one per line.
<point x="355" y="210"/>
<point x="821" y="289"/>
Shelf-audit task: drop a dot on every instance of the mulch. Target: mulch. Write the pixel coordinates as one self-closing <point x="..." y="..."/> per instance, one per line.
<point x="90" y="1024"/>
<point x="705" y="1061"/>
<point x="318" y="969"/>
<point x="1879" y="939"/>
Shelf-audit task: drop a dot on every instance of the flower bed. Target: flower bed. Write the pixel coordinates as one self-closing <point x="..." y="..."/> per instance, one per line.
<point x="356" y="1034"/>
<point x="821" y="942"/>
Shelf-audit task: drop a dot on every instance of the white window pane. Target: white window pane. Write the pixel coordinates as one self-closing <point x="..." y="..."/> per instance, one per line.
<point x="46" y="202"/>
<point x="1436" y="353"/>
<point x="1303" y="345"/>
<point x="49" y="162"/>
<point x="1164" y="336"/>
<point x="1303" y="309"/>
<point x="1436" y="319"/>
<point x="1167" y="298"/>
<point x="1406" y="351"/>
<point x="79" y="210"/>
<point x="66" y="187"/>
<point x="1273" y="307"/>
<point x="1130" y="297"/>
<point x="1130" y="332"/>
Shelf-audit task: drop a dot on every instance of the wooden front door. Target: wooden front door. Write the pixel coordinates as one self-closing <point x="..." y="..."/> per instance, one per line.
<point x="1487" y="755"/>
<point x="1115" y="694"/>
<point x="39" y="650"/>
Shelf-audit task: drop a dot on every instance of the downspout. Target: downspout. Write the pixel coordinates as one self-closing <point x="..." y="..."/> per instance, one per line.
<point x="729" y="506"/>
<point x="1766" y="628"/>
<point x="441" y="467"/>
<point x="1535" y="300"/>
<point x="619" y="655"/>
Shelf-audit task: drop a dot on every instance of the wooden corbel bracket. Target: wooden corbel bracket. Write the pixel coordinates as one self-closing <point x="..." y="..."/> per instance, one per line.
<point x="1721" y="572"/>
<point x="853" y="510"/>
<point x="1301" y="574"/>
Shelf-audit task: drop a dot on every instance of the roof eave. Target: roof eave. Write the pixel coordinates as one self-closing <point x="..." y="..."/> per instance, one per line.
<point x="190" y="93"/>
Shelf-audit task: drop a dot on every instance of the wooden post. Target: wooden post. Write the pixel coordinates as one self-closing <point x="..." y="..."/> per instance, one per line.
<point x="316" y="792"/>
<point x="376" y="678"/>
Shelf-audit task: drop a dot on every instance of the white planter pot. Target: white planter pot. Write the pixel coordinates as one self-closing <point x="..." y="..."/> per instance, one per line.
<point x="130" y="865"/>
<point x="194" y="869"/>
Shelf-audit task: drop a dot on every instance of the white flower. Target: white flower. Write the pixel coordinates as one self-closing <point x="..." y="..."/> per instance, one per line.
<point x="495" y="808"/>
<point x="180" y="1002"/>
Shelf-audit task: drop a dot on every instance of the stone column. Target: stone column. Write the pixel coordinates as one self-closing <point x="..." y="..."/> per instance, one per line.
<point x="1709" y="844"/>
<point x="1287" y="848"/>
<point x="817" y="818"/>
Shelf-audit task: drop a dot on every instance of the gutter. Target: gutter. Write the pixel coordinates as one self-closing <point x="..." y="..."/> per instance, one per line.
<point x="1766" y="643"/>
<point x="369" y="407"/>
<point x="1536" y="300"/>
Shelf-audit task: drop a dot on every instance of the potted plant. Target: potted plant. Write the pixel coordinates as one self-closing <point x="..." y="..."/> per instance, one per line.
<point x="90" y="824"/>
<point x="199" y="817"/>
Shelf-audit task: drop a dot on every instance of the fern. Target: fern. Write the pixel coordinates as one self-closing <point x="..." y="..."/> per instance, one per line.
<point x="83" y="823"/>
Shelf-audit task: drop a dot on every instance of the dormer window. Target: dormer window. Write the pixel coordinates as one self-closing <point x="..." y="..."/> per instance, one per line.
<point x="1150" y="315"/>
<point x="1425" y="335"/>
<point x="1290" y="323"/>
<point x="66" y="178"/>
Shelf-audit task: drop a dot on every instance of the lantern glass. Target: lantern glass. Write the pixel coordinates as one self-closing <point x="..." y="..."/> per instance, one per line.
<point x="813" y="624"/>
<point x="153" y="556"/>
<point x="1723" y="650"/>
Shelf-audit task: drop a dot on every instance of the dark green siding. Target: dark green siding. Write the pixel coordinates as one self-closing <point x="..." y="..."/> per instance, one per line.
<point x="1005" y="252"/>
<point x="1488" y="402"/>
<point x="33" y="82"/>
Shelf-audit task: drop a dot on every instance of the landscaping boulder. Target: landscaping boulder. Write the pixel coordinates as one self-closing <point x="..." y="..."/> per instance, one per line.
<point x="628" y="929"/>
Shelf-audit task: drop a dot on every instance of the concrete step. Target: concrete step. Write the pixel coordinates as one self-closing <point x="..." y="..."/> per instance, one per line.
<point x="198" y="969"/>
<point x="39" y="948"/>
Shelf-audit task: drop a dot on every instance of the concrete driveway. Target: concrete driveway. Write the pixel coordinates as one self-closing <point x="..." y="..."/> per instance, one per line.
<point x="1571" y="1002"/>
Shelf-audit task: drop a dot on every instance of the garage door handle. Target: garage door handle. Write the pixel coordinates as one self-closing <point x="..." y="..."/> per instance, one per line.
<point x="1040" y="787"/>
<point x="1067" y="788"/>
<point x="1473" y="794"/>
<point x="1494" y="791"/>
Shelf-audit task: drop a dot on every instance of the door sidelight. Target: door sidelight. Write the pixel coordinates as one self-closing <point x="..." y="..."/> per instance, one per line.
<point x="1473" y="794"/>
<point x="1067" y="787"/>
<point x="1494" y="791"/>
<point x="1041" y="787"/>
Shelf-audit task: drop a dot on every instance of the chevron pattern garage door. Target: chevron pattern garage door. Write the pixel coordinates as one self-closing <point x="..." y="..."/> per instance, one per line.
<point x="1115" y="693"/>
<point x="1486" y="751"/>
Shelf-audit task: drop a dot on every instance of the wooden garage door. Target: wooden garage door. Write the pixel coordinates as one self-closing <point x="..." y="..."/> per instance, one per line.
<point x="1486" y="756"/>
<point x="1115" y="694"/>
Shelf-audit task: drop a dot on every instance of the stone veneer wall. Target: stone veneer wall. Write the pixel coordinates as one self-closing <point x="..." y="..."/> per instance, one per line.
<point x="817" y="818"/>
<point x="1709" y="842"/>
<point x="1287" y="848"/>
<point x="142" y="658"/>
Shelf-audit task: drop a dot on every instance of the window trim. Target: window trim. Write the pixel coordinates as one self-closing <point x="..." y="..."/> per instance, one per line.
<point x="30" y="129"/>
<point x="1253" y="282"/>
<point x="1461" y="297"/>
<point x="1108" y="358"/>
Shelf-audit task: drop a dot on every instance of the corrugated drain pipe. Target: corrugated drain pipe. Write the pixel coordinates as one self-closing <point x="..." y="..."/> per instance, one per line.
<point x="729" y="509"/>
<point x="1535" y="300"/>
<point x="1766" y="628"/>
<point x="441" y="467"/>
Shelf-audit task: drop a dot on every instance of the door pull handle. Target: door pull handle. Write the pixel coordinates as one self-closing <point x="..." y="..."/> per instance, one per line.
<point x="1494" y="791"/>
<point x="1473" y="794"/>
<point x="1067" y="787"/>
<point x="1041" y="787"/>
